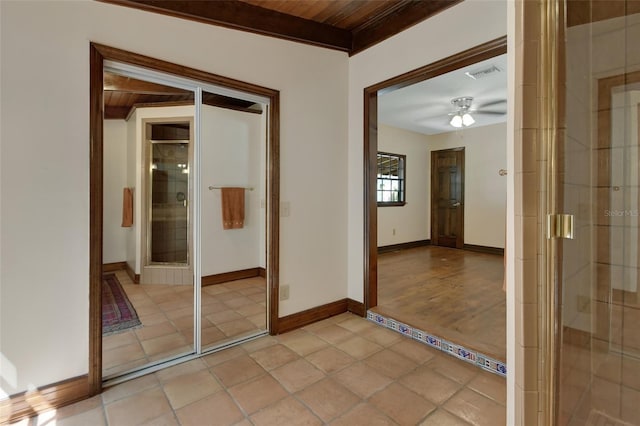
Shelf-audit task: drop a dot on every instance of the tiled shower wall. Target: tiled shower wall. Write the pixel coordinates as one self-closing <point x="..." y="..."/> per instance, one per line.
<point x="530" y="163"/>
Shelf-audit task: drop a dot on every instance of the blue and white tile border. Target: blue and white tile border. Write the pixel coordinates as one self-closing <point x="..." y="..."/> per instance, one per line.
<point x="458" y="351"/>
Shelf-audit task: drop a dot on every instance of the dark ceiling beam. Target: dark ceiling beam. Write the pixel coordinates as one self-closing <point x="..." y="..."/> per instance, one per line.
<point x="246" y="17"/>
<point x="118" y="83"/>
<point x="395" y="20"/>
<point x="115" y="113"/>
<point x="125" y="112"/>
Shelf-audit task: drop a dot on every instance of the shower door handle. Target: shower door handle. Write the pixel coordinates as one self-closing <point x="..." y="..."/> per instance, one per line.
<point x="560" y="226"/>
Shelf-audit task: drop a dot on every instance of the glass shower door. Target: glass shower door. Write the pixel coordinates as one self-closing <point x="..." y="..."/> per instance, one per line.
<point x="599" y="374"/>
<point x="168" y="237"/>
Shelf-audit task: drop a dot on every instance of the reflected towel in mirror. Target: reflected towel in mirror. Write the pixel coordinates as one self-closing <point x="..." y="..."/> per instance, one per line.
<point x="232" y="208"/>
<point x="127" y="207"/>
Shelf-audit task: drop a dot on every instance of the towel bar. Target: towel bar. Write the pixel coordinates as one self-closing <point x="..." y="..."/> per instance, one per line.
<point x="211" y="188"/>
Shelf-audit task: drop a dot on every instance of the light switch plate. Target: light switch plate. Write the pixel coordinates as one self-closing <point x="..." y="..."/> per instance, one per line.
<point x="285" y="209"/>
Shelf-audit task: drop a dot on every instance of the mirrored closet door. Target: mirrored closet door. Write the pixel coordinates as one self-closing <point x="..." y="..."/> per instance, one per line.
<point x="184" y="229"/>
<point x="147" y="289"/>
<point x="233" y="222"/>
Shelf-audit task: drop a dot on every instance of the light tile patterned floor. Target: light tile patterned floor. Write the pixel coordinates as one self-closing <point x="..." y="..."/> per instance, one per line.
<point x="229" y="310"/>
<point x="341" y="371"/>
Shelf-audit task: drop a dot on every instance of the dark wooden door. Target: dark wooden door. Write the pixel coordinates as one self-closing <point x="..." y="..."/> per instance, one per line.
<point x="447" y="198"/>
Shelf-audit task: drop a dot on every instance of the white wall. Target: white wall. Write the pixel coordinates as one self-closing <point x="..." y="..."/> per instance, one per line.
<point x="230" y="156"/>
<point x="420" y="45"/>
<point x="114" y="243"/>
<point x="485" y="191"/>
<point x="411" y="221"/>
<point x="45" y="251"/>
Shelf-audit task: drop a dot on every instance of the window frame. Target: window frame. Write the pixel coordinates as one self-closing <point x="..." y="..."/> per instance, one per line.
<point x="402" y="166"/>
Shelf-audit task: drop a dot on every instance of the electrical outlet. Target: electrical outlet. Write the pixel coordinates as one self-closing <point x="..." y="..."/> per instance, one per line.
<point x="584" y="304"/>
<point x="284" y="292"/>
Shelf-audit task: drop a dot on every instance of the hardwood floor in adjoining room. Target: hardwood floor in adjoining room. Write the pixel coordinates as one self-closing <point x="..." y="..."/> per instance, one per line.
<point x="451" y="293"/>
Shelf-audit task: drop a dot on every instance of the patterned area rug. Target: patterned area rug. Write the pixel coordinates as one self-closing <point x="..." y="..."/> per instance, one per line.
<point x="118" y="314"/>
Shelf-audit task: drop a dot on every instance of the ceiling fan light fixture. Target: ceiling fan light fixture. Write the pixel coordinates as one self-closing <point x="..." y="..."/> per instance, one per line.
<point x="462" y="117"/>
<point x="456" y="121"/>
<point x="467" y="119"/>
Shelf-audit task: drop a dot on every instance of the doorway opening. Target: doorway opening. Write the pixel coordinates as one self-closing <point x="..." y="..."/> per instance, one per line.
<point x="168" y="198"/>
<point x="450" y="298"/>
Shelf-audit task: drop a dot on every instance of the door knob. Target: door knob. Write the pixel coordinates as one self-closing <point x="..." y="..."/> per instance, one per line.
<point x="456" y="204"/>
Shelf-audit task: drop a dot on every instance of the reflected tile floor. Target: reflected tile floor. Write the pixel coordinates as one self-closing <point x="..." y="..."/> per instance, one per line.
<point x="229" y="310"/>
<point x="341" y="371"/>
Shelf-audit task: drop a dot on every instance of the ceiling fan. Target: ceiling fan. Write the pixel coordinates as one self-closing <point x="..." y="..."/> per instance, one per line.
<point x="462" y="116"/>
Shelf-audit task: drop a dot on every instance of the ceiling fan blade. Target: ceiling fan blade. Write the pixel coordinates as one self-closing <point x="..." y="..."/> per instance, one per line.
<point x="489" y="113"/>
<point x="492" y="103"/>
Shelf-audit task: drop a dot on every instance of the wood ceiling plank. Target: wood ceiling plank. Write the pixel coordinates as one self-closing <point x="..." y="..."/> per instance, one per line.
<point x="306" y="9"/>
<point x="357" y="14"/>
<point x="247" y="17"/>
<point x="339" y="9"/>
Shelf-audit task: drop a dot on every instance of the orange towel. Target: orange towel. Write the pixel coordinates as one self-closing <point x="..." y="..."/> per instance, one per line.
<point x="127" y="208"/>
<point x="232" y="208"/>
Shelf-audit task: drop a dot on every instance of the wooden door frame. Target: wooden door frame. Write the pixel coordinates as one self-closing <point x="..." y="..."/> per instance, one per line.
<point x="97" y="56"/>
<point x="468" y="57"/>
<point x="434" y="224"/>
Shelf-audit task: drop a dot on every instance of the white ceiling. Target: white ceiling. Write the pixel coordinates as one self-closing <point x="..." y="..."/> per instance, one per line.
<point x="425" y="107"/>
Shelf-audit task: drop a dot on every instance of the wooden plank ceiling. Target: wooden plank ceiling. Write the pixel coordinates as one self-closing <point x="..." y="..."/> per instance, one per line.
<point x="346" y="25"/>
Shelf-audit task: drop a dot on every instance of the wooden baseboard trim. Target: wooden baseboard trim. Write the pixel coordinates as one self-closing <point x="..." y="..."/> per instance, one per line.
<point x="403" y="246"/>
<point x="115" y="266"/>
<point x="300" y="319"/>
<point x="484" y="249"/>
<point x="225" y="277"/>
<point x="132" y="274"/>
<point x="56" y="395"/>
<point x="263" y="272"/>
<point x="356" y="308"/>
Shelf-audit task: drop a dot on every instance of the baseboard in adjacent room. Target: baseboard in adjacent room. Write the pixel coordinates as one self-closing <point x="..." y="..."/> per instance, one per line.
<point x="132" y="274"/>
<point x="30" y="403"/>
<point x="403" y="246"/>
<point x="115" y="266"/>
<point x="484" y="249"/>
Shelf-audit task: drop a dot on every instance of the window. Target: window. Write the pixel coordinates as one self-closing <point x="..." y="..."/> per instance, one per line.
<point x="391" y="179"/>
